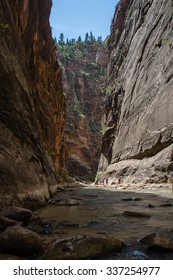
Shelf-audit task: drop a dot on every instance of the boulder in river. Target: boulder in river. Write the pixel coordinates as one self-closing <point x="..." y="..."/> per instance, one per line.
<point x="19" y="214"/>
<point x="68" y="202"/>
<point x="82" y="247"/>
<point x="166" y="205"/>
<point x="138" y="199"/>
<point x="136" y="214"/>
<point x="5" y="222"/>
<point x="162" y="240"/>
<point x="127" y="199"/>
<point x="20" y="241"/>
<point x="151" y="205"/>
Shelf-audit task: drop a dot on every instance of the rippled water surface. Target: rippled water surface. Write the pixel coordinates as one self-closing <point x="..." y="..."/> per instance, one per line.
<point x="100" y="212"/>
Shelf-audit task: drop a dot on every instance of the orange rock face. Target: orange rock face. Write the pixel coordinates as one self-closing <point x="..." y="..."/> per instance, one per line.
<point x="84" y="86"/>
<point x="32" y="106"/>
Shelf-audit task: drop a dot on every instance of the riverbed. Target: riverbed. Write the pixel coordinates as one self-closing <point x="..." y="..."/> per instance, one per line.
<point x="99" y="211"/>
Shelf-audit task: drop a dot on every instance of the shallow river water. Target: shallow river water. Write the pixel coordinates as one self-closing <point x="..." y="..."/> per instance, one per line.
<point x="99" y="211"/>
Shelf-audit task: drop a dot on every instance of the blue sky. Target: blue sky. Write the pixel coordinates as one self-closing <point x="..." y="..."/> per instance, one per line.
<point x="77" y="17"/>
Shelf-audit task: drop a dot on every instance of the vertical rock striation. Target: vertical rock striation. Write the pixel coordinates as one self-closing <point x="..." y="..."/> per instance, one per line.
<point x="31" y="102"/>
<point x="84" y="74"/>
<point x="138" y="143"/>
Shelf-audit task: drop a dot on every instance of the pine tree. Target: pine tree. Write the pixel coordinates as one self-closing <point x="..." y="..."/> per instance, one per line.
<point x="99" y="39"/>
<point x="92" y="38"/>
<point x="61" y="39"/>
<point x="86" y="37"/>
<point x="73" y="41"/>
<point x="79" y="39"/>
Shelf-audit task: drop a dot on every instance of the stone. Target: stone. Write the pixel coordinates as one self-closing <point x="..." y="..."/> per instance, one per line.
<point x="138" y="199"/>
<point x="151" y="206"/>
<point x="162" y="240"/>
<point x="68" y="202"/>
<point x="19" y="214"/>
<point x="82" y="247"/>
<point x="5" y="222"/>
<point x="136" y="214"/>
<point x="127" y="199"/>
<point x="20" y="241"/>
<point x="166" y="205"/>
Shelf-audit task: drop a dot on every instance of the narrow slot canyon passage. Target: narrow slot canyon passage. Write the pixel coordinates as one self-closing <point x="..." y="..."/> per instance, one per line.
<point x="86" y="130"/>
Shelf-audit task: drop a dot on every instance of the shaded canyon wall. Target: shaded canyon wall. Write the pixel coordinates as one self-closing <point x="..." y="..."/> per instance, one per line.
<point x="31" y="102"/>
<point x="138" y="143"/>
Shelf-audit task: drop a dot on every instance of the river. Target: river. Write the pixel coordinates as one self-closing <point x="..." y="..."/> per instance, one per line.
<point x="98" y="210"/>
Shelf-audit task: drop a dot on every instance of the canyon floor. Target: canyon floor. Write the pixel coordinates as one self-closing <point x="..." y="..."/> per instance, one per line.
<point x="127" y="212"/>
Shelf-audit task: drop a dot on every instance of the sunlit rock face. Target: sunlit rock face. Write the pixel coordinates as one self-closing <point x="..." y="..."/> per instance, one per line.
<point x="137" y="145"/>
<point x="31" y="102"/>
<point x="84" y="75"/>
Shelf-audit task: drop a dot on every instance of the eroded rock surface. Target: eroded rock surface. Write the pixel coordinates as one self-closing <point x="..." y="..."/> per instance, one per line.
<point x="31" y="102"/>
<point x="18" y="214"/>
<point x="82" y="247"/>
<point x="162" y="240"/>
<point x="137" y="145"/>
<point x="20" y="241"/>
<point x="5" y="222"/>
<point x="84" y="85"/>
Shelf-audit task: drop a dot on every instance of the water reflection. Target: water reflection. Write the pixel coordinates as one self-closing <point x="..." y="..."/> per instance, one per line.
<point x="101" y="212"/>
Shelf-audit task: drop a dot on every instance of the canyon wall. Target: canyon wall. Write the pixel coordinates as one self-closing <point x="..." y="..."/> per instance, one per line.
<point x="84" y="65"/>
<point x="138" y="143"/>
<point x="32" y="107"/>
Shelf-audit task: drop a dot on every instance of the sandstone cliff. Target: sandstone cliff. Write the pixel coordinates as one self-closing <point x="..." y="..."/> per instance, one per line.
<point x="84" y="74"/>
<point x="138" y="143"/>
<point x="31" y="102"/>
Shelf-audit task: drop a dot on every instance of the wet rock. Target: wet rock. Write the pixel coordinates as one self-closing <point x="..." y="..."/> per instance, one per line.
<point x="37" y="228"/>
<point x="138" y="199"/>
<point x="127" y="199"/>
<point x="19" y="214"/>
<point x="5" y="222"/>
<point x="136" y="214"/>
<point x="166" y="205"/>
<point x="102" y="232"/>
<point x="62" y="224"/>
<point x="162" y="240"/>
<point x="82" y="247"/>
<point x="20" y="241"/>
<point x="68" y="202"/>
<point x="151" y="206"/>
